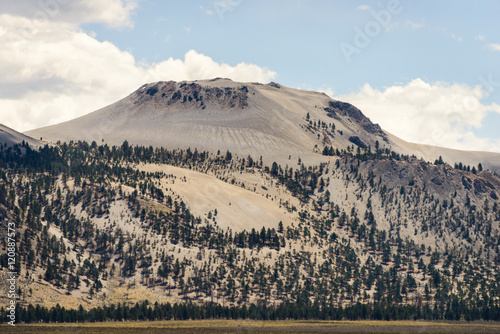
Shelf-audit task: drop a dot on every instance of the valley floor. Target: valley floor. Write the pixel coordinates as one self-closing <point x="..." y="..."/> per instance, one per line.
<point x="262" y="327"/>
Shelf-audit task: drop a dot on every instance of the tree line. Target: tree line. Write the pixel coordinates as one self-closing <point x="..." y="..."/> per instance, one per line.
<point x="144" y="311"/>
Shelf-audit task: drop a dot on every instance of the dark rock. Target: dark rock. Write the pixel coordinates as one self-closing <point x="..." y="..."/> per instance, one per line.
<point x="355" y="140"/>
<point x="152" y="91"/>
<point x="481" y="186"/>
<point x="438" y="180"/>
<point x="467" y="183"/>
<point x="338" y="108"/>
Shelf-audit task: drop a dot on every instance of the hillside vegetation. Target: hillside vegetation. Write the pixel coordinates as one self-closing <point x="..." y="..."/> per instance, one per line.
<point x="368" y="233"/>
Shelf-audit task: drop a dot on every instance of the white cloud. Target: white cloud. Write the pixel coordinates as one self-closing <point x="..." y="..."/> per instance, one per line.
<point x="480" y="38"/>
<point x="494" y="46"/>
<point x="207" y="11"/>
<point x="364" y="7"/>
<point x="55" y="73"/>
<point x="198" y="66"/>
<point x="114" y="13"/>
<point x="328" y="91"/>
<point x="436" y="114"/>
<point x="415" y="25"/>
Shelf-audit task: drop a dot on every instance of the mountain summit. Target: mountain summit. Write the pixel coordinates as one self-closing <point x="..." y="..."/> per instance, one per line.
<point x="272" y="121"/>
<point x="245" y="118"/>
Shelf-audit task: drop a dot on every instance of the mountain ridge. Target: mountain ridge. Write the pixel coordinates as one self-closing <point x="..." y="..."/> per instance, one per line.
<point x="10" y="137"/>
<point x="254" y="116"/>
<point x="244" y="118"/>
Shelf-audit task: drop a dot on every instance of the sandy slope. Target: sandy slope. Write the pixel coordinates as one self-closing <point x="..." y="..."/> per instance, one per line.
<point x="272" y="124"/>
<point x="10" y="137"/>
<point x="237" y="208"/>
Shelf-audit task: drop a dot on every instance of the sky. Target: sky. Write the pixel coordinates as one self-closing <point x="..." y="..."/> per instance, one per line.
<point x="426" y="71"/>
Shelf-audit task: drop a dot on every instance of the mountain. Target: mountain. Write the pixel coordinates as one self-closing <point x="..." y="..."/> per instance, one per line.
<point x="245" y="118"/>
<point x="163" y="197"/>
<point x="10" y="137"/>
<point x="255" y="119"/>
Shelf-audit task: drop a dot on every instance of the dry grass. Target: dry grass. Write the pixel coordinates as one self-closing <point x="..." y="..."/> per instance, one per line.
<point x="154" y="206"/>
<point x="262" y="327"/>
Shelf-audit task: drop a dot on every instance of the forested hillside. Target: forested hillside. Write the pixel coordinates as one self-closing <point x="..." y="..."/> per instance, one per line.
<point x="367" y="234"/>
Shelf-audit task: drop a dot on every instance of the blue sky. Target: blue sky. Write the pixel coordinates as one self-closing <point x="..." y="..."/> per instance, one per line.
<point x="427" y="71"/>
<point x="300" y="40"/>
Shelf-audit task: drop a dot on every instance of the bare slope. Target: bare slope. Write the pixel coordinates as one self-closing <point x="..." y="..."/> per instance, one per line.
<point x="11" y="137"/>
<point x="268" y="120"/>
<point x="238" y="209"/>
<point x="275" y="122"/>
<point x="489" y="160"/>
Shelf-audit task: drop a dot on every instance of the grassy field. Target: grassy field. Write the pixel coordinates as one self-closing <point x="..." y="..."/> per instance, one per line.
<point x="261" y="327"/>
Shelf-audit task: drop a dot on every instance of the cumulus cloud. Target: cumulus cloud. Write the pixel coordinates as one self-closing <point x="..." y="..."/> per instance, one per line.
<point x="59" y="72"/>
<point x="328" y="91"/>
<point x="114" y="13"/>
<point x="198" y="66"/>
<point x="438" y="114"/>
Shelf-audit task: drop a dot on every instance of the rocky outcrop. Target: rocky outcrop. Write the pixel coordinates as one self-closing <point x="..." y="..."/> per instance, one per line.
<point x="337" y="109"/>
<point x="192" y="95"/>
